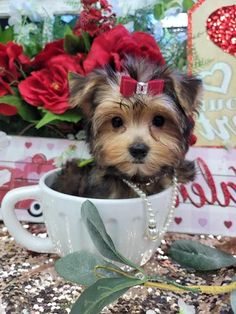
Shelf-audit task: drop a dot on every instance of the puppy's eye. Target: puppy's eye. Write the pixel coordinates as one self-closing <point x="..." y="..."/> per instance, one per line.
<point x="158" y="121"/>
<point x="117" y="122"/>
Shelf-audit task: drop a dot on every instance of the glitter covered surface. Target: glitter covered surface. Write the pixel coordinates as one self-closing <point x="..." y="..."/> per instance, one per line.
<point x="29" y="284"/>
<point x="221" y="28"/>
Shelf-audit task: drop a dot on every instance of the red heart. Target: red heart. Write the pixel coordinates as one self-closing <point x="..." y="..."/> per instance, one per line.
<point x="221" y="28"/>
<point x="50" y="146"/>
<point x="178" y="220"/>
<point x="28" y="144"/>
<point x="228" y="224"/>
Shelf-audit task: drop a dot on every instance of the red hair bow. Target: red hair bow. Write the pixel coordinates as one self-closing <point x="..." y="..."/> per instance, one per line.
<point x="129" y="86"/>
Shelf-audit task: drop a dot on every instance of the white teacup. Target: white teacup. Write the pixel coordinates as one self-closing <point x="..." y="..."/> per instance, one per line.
<point x="124" y="219"/>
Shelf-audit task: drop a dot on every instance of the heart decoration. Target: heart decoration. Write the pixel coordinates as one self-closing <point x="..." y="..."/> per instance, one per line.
<point x="228" y="224"/>
<point x="221" y="28"/>
<point x="28" y="144"/>
<point x="202" y="222"/>
<point x="50" y="146"/>
<point x="226" y="72"/>
<point x="178" y="220"/>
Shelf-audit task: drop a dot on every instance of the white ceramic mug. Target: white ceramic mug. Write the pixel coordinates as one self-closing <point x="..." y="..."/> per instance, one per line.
<point x="124" y="219"/>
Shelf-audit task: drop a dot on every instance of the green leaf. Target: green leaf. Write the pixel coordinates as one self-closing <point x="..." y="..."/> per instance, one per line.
<point x="233" y="298"/>
<point x="173" y="5"/>
<point x="79" y="267"/>
<point x="87" y="42"/>
<point x="97" y="231"/>
<point x="158" y="11"/>
<point x="199" y="256"/>
<point x="101" y="239"/>
<point x="6" y="35"/>
<point x="187" y="4"/>
<point x="102" y="293"/>
<point x="84" y="162"/>
<point x="74" y="44"/>
<point x="27" y="112"/>
<point x="49" y="117"/>
<point x="68" y="30"/>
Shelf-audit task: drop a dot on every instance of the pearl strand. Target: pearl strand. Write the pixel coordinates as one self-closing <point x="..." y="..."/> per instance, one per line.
<point x="152" y="231"/>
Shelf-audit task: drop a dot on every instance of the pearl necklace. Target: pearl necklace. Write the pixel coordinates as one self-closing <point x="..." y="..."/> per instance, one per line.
<point x="152" y="230"/>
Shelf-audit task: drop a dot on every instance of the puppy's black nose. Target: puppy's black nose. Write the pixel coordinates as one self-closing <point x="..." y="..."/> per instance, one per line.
<point x="138" y="150"/>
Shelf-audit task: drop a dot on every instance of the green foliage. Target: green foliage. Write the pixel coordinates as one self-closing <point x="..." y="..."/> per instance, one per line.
<point x="172" y="46"/>
<point x="160" y="8"/>
<point x="102" y="293"/>
<point x="187" y="4"/>
<point x="49" y="117"/>
<point x="85" y="162"/>
<point x="106" y="282"/>
<point x="174" y="51"/>
<point x="6" y="35"/>
<point x="87" y="41"/>
<point x="159" y="11"/>
<point x="74" y="44"/>
<point x="60" y="29"/>
<point x="141" y="20"/>
<point x="34" y="44"/>
<point x="99" y="236"/>
<point x="79" y="267"/>
<point x="198" y="256"/>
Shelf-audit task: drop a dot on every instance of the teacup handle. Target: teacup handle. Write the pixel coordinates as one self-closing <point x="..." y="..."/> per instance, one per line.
<point x="22" y="236"/>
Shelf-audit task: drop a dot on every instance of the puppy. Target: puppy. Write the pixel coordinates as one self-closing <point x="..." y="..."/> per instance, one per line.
<point x="139" y="125"/>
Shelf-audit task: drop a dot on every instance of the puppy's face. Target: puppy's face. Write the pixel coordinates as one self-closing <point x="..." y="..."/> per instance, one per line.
<point x="138" y="135"/>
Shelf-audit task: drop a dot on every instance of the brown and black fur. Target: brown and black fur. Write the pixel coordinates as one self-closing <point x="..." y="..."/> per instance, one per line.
<point x="98" y="95"/>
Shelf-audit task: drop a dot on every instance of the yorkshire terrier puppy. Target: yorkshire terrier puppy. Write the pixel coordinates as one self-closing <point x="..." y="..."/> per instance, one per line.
<point x="139" y="125"/>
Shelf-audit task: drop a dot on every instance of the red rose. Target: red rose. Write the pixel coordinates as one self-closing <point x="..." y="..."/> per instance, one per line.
<point x="54" y="53"/>
<point x="112" y="46"/>
<point x="6" y="109"/>
<point x="75" y="61"/>
<point x="12" y="60"/>
<point x="51" y="50"/>
<point x="48" y="88"/>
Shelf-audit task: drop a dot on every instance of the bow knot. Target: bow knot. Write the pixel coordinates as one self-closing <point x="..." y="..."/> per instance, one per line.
<point x="129" y="86"/>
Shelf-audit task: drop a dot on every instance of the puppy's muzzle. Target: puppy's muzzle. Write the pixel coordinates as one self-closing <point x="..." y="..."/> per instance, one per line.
<point x="138" y="151"/>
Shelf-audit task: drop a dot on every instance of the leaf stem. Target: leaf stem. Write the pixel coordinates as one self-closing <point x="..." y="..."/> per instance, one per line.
<point x="28" y="127"/>
<point x="158" y="279"/>
<point x="114" y="270"/>
<point x="55" y="129"/>
<point x="19" y="67"/>
<point x="195" y="289"/>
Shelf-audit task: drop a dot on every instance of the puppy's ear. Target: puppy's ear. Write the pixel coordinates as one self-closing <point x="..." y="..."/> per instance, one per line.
<point x="188" y="90"/>
<point x="83" y="90"/>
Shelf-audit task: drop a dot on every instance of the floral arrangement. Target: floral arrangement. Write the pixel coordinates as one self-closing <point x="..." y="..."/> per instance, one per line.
<point x="34" y="78"/>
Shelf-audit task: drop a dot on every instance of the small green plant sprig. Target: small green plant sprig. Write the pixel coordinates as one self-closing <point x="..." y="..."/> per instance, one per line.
<point x="106" y="281"/>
